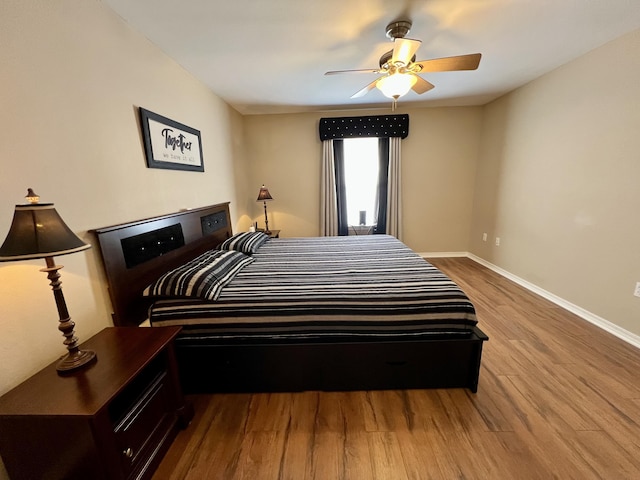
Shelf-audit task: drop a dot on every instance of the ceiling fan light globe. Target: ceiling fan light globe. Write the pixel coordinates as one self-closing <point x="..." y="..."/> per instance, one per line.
<point x="397" y="85"/>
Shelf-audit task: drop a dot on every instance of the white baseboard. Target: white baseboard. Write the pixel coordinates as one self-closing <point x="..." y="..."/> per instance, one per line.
<point x="443" y="254"/>
<point x="606" y="325"/>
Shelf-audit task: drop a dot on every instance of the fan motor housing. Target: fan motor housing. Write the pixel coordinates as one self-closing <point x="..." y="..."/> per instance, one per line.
<point x="385" y="58"/>
<point x="398" y="29"/>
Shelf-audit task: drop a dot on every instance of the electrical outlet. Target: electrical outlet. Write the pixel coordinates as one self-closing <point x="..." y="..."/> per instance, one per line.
<point x="497" y="241"/>
<point x="637" y="290"/>
<point x="484" y="237"/>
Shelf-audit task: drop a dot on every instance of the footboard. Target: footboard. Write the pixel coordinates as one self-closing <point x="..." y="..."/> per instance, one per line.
<point x="440" y="362"/>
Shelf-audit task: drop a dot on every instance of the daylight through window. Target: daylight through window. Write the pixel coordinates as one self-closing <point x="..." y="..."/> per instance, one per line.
<point x="361" y="179"/>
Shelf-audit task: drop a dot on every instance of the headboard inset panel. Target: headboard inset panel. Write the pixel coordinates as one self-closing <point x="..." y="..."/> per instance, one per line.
<point x="182" y="237"/>
<point x="147" y="246"/>
<point x="213" y="222"/>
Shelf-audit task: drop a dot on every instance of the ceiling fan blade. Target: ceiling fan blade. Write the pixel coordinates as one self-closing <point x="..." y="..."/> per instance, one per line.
<point x="449" y="64"/>
<point x="365" y="90"/>
<point x="422" y="85"/>
<point x="366" y="70"/>
<point x="404" y="49"/>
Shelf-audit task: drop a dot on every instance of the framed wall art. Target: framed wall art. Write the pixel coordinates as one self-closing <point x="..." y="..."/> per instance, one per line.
<point x="170" y="144"/>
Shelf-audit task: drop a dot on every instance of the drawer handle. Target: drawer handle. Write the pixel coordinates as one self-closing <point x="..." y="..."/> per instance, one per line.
<point x="128" y="452"/>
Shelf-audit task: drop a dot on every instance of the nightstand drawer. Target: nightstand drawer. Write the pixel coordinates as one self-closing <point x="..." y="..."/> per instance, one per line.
<point x="148" y="418"/>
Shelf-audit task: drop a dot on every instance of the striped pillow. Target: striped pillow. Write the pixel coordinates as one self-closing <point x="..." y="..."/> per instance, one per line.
<point x="202" y="277"/>
<point x="245" y="242"/>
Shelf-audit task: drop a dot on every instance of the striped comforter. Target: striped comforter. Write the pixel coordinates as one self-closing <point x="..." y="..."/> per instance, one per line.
<point x="355" y="287"/>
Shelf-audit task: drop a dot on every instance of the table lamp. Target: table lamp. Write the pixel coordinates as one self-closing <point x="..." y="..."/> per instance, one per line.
<point x="264" y="195"/>
<point x="37" y="231"/>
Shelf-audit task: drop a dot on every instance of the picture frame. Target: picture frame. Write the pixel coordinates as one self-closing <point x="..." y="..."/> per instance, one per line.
<point x="169" y="144"/>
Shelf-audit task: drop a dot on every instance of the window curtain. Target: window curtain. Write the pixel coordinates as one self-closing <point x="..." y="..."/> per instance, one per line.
<point x="394" y="197"/>
<point x="328" y="196"/>
<point x="383" y="186"/>
<point x="341" y="187"/>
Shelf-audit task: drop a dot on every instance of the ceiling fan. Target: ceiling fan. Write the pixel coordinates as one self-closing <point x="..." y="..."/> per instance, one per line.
<point x="399" y="68"/>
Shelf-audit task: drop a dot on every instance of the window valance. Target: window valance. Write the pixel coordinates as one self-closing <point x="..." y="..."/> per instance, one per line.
<point x="371" y="126"/>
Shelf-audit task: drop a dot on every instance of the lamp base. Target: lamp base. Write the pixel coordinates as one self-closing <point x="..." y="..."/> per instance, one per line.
<point x="266" y="220"/>
<point x="76" y="360"/>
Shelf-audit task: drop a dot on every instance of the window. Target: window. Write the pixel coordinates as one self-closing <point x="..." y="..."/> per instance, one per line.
<point x="361" y="169"/>
<point x="361" y="180"/>
<point x="388" y="131"/>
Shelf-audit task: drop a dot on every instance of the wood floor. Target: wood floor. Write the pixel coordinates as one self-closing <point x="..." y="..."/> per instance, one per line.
<point x="558" y="398"/>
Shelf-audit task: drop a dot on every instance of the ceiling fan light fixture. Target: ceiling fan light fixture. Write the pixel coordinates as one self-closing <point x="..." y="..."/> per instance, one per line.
<point x="399" y="69"/>
<point x="396" y="85"/>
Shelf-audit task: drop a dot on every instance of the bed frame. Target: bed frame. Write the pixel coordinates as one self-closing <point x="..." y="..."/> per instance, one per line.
<point x="136" y="253"/>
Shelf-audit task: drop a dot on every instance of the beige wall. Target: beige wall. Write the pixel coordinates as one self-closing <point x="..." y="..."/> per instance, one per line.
<point x="284" y="154"/>
<point x="559" y="182"/>
<point x="72" y="77"/>
<point x="438" y="171"/>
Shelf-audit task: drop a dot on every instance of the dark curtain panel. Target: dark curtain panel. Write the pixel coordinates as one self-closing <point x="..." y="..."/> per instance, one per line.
<point x="383" y="184"/>
<point x="341" y="190"/>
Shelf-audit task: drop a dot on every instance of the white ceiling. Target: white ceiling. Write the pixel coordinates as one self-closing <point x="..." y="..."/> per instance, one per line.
<point x="269" y="56"/>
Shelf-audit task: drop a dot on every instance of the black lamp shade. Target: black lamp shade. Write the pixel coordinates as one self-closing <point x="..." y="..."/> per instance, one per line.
<point x="264" y="194"/>
<point x="37" y="231"/>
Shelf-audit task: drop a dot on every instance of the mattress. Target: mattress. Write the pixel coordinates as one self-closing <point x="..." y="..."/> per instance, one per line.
<point x="370" y="287"/>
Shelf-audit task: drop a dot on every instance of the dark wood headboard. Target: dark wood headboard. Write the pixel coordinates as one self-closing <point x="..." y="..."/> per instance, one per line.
<point x="134" y="254"/>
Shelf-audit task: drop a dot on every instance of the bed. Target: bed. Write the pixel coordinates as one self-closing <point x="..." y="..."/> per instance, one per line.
<point x="292" y="314"/>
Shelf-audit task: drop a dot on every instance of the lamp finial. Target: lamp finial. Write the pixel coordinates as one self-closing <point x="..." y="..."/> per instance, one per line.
<point x="31" y="196"/>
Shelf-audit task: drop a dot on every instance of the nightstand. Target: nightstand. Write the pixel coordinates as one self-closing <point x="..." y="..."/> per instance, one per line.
<point x="112" y="420"/>
<point x="272" y="234"/>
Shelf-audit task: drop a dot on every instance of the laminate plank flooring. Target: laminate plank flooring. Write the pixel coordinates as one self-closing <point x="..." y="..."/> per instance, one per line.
<point x="558" y="398"/>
